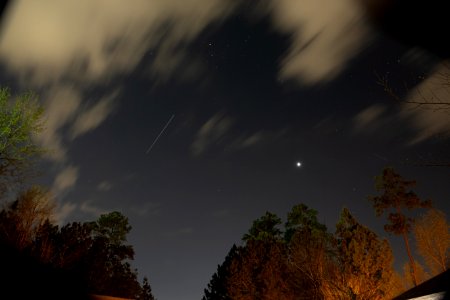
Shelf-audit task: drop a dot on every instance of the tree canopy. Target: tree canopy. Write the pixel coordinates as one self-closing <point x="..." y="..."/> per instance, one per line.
<point x="395" y="198"/>
<point x="20" y="120"/>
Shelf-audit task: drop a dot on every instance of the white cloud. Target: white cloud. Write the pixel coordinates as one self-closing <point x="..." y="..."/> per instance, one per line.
<point x="210" y="132"/>
<point x="63" y="211"/>
<point x="96" y="39"/>
<point x="93" y="116"/>
<point x="104" y="186"/>
<point x="431" y="118"/>
<point x="65" y="180"/>
<point x="252" y="139"/>
<point x="50" y="43"/>
<point x="325" y="35"/>
<point x="369" y="118"/>
<point x="61" y="104"/>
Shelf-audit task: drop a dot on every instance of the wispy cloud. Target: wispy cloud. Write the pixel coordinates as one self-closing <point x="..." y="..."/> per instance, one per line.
<point x="431" y="118"/>
<point x="65" y="180"/>
<point x="63" y="211"/>
<point x="104" y="186"/>
<point x="210" y="132"/>
<point x="249" y="140"/>
<point x="66" y="49"/>
<point x="61" y="104"/>
<point x="369" y="118"/>
<point x="95" y="40"/>
<point x="325" y="35"/>
<point x="93" y="116"/>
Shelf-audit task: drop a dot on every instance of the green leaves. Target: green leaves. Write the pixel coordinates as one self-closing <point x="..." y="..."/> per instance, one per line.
<point x="113" y="226"/>
<point x="264" y="228"/>
<point x="20" y="120"/>
<point x="302" y="218"/>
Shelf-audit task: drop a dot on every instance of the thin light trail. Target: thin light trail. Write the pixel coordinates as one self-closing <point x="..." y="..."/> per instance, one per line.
<point x="162" y="131"/>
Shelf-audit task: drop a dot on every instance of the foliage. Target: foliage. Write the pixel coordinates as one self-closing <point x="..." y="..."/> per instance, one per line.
<point x="264" y="228"/>
<point x="421" y="275"/>
<point x="309" y="252"/>
<point x="146" y="292"/>
<point x="259" y="272"/>
<point x="217" y="286"/>
<point x="309" y="263"/>
<point x="269" y="266"/>
<point x="365" y="260"/>
<point x="96" y="251"/>
<point x="22" y="219"/>
<point x="432" y="235"/>
<point x="20" y="120"/>
<point x="397" y="196"/>
<point x="302" y="218"/>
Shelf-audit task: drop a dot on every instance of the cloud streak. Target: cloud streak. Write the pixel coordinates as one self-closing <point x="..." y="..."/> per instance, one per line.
<point x="65" y="180"/>
<point x="325" y="35"/>
<point x="211" y="132"/>
<point x="94" y="40"/>
<point x="427" y="106"/>
<point x="369" y="118"/>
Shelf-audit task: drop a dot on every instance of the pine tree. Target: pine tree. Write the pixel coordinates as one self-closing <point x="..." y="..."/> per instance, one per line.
<point x="397" y="196"/>
<point x="365" y="260"/>
<point x="217" y="287"/>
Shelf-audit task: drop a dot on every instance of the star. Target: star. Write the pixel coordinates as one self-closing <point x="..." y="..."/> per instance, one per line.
<point x="299" y="164"/>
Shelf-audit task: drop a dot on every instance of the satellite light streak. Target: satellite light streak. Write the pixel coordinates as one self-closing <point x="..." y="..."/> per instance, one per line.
<point x="162" y="131"/>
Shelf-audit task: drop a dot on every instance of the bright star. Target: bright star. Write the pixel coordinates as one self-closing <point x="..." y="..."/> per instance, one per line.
<point x="299" y="164"/>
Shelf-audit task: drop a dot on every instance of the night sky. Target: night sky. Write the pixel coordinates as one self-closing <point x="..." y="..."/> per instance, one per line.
<point x="190" y="117"/>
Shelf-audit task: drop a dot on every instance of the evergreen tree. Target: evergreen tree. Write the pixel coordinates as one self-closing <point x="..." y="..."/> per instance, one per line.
<point x="397" y="196"/>
<point x="309" y="248"/>
<point x="365" y="260"/>
<point x="217" y="287"/>
<point x="264" y="228"/>
<point x="146" y="291"/>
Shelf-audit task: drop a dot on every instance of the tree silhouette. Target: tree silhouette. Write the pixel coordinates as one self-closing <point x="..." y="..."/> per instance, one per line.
<point x="217" y="288"/>
<point x="264" y="228"/>
<point x="397" y="196"/>
<point x="146" y="293"/>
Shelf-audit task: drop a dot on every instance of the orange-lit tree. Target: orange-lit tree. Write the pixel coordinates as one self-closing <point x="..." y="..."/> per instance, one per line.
<point x="396" y="196"/>
<point x="365" y="261"/>
<point x="432" y="235"/>
<point x="260" y="270"/>
<point x="310" y="260"/>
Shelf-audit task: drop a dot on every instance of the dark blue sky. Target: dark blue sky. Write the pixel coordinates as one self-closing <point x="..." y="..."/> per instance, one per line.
<point x="253" y="90"/>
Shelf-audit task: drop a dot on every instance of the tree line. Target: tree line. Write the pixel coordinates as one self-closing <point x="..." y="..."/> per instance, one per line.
<point x="65" y="262"/>
<point x="302" y="259"/>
